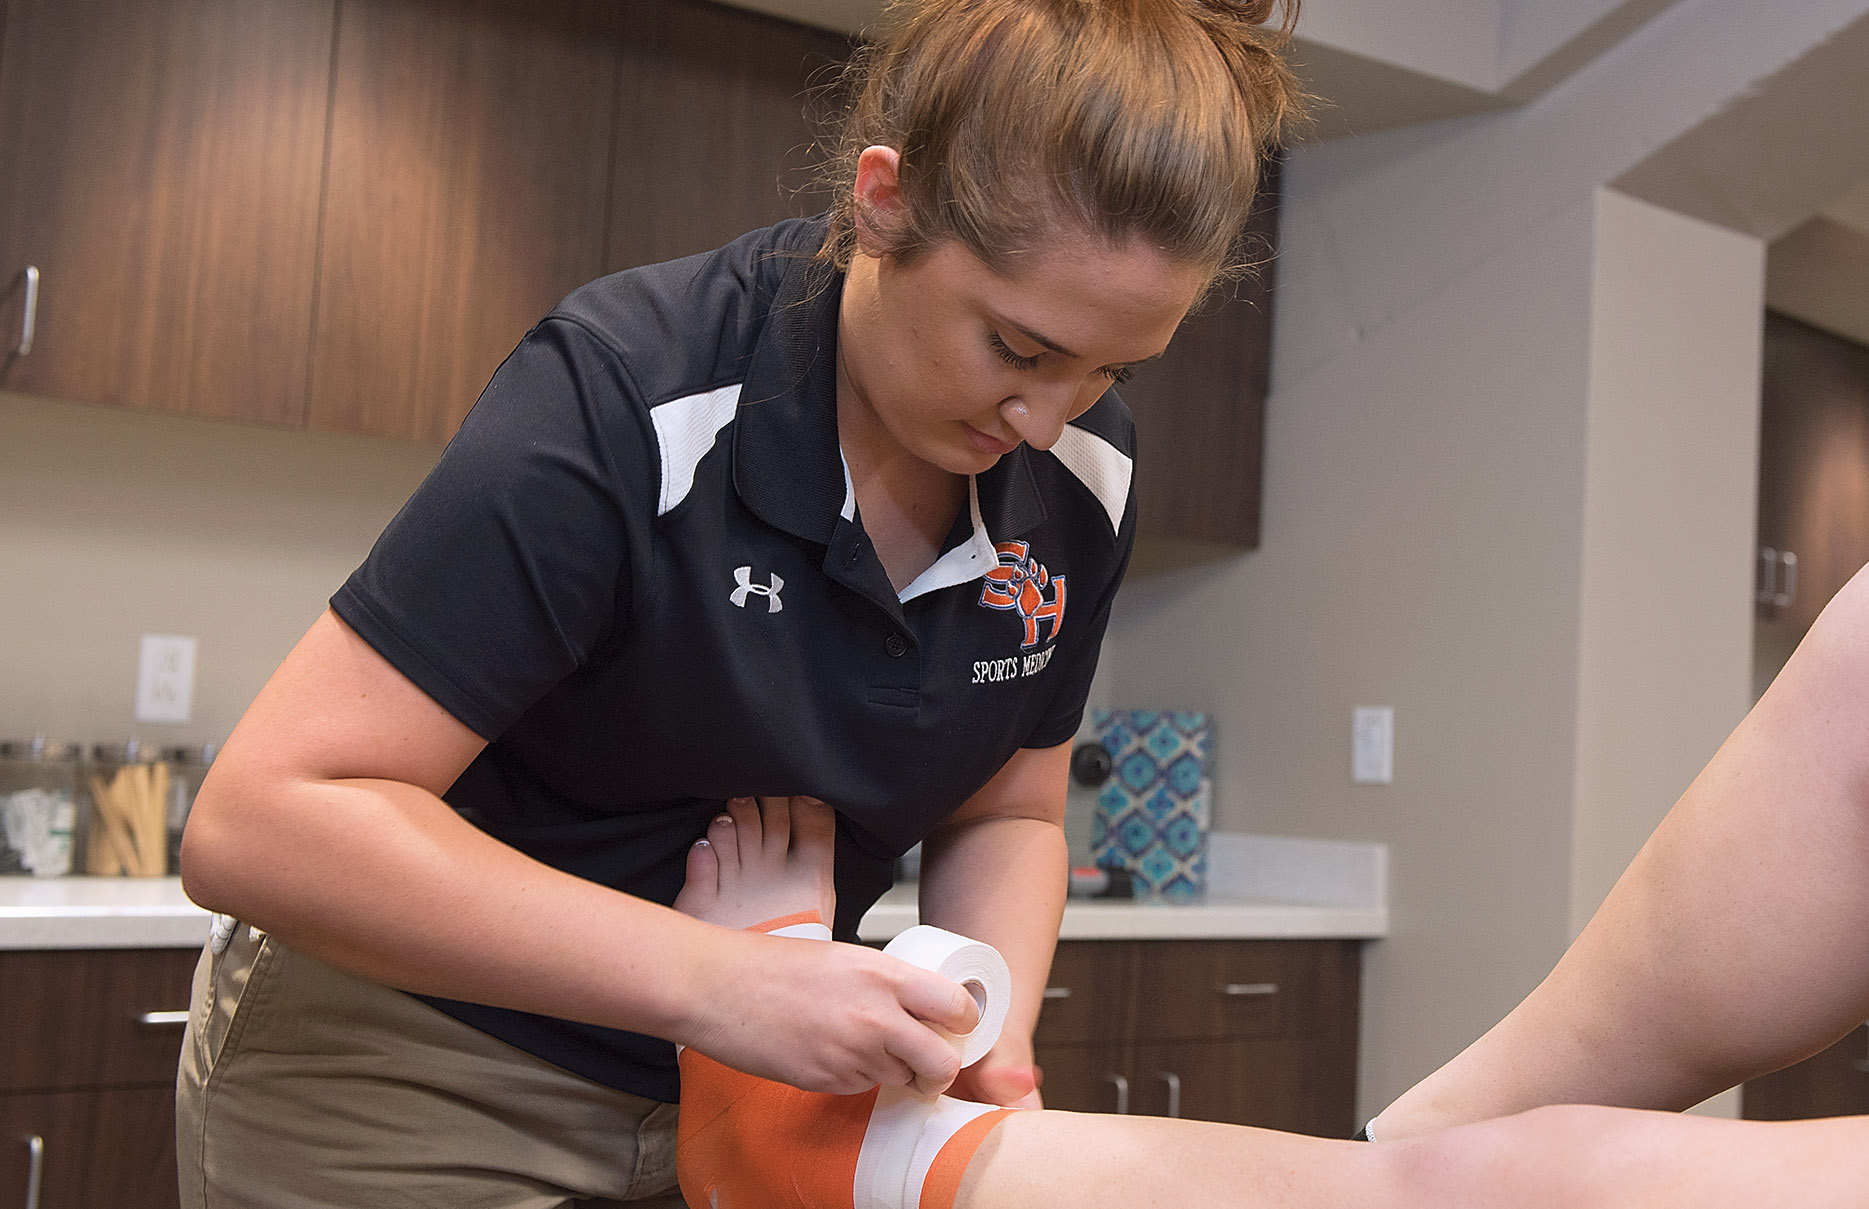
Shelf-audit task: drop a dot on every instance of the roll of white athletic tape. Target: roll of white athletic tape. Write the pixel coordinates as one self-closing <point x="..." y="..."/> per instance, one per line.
<point x="972" y="963"/>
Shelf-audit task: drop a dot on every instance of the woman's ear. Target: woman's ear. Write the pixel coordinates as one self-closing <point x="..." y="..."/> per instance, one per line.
<point x="878" y="200"/>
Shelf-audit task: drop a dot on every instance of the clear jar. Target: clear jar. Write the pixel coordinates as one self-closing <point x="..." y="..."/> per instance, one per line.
<point x="188" y="767"/>
<point x="38" y="806"/>
<point x="123" y="810"/>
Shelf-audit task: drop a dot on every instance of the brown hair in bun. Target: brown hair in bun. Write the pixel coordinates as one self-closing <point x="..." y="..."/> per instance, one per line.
<point x="1022" y="121"/>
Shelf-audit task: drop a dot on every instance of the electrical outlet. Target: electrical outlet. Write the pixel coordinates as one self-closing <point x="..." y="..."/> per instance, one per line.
<point x="165" y="679"/>
<point x="1372" y="745"/>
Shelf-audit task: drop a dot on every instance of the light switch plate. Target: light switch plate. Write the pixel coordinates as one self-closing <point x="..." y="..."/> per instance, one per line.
<point x="165" y="679"/>
<point x="1372" y="745"/>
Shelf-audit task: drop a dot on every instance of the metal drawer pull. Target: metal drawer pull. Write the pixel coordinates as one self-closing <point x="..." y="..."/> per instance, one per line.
<point x="35" y="1168"/>
<point x="1174" y="1090"/>
<point x="1249" y="988"/>
<point x="1789" y="562"/>
<point x="163" y="1018"/>
<point x="1122" y="1093"/>
<point x="1057" y="992"/>
<point x="30" y="313"/>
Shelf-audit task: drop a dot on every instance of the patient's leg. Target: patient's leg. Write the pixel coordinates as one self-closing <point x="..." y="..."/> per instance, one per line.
<point x="750" y="1143"/>
<point x="1732" y="945"/>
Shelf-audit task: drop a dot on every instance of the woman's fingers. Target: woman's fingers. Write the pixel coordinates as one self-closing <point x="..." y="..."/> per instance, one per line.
<point x="834" y="1018"/>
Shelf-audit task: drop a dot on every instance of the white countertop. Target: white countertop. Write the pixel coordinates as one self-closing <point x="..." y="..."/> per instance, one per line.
<point x="1260" y="887"/>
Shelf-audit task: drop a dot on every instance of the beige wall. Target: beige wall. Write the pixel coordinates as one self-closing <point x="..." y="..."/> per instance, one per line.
<point x="1510" y="463"/>
<point x="1424" y="496"/>
<point x="1670" y="499"/>
<point x="116" y="523"/>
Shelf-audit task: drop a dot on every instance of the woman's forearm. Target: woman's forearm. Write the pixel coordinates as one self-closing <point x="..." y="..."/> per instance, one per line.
<point x="383" y="879"/>
<point x="1002" y="881"/>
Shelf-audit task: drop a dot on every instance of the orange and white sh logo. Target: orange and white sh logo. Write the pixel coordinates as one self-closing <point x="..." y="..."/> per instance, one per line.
<point x="1020" y="582"/>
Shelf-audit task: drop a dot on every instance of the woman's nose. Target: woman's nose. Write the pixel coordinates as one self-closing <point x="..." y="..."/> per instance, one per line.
<point x="1037" y="417"/>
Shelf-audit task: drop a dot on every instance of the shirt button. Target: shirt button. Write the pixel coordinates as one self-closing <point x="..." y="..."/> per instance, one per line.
<point x="896" y="645"/>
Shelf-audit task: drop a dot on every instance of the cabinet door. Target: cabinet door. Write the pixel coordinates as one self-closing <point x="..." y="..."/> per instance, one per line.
<point x="91" y="1017"/>
<point x="1813" y="466"/>
<point x="1200" y="415"/>
<point x="114" y="1148"/>
<point x="1085" y="1078"/>
<point x="159" y="165"/>
<point x="715" y="130"/>
<point x="1191" y="990"/>
<point x="469" y="167"/>
<point x="1088" y="993"/>
<point x="1834" y="1083"/>
<point x="1259" y="1082"/>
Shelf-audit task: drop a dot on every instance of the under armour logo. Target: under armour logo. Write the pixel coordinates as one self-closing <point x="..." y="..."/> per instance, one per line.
<point x="744" y="577"/>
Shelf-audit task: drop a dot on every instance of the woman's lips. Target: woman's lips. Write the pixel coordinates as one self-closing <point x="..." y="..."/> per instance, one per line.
<point x="988" y="444"/>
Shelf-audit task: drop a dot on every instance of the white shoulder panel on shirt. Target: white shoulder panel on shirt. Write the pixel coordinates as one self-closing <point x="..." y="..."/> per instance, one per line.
<point x="685" y="429"/>
<point x="1102" y="467"/>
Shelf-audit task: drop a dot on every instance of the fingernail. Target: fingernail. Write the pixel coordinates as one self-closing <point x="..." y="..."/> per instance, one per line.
<point x="702" y="844"/>
<point x="724" y="818"/>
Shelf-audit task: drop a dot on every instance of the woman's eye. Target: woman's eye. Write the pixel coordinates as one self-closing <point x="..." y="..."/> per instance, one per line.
<point x="1004" y="352"/>
<point x="1116" y="375"/>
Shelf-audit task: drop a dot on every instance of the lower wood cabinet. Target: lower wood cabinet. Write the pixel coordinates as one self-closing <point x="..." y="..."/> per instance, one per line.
<point x="1834" y="1083"/>
<point x="87" y="1076"/>
<point x="1259" y="1032"/>
<point x="91" y="1148"/>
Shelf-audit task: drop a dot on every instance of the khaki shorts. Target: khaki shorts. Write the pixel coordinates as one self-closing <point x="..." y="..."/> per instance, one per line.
<point x="302" y="1087"/>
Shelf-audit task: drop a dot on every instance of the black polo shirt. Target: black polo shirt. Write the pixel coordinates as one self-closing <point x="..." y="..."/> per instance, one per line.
<point x="638" y="572"/>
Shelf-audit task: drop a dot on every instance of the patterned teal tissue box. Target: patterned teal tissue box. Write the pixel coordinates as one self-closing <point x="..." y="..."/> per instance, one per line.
<point x="1152" y="814"/>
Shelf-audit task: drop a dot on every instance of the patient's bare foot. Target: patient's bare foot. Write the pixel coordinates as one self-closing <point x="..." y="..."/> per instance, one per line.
<point x="761" y="860"/>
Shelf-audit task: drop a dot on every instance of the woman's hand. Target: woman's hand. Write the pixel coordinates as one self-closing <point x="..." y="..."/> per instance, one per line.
<point x="828" y="1017"/>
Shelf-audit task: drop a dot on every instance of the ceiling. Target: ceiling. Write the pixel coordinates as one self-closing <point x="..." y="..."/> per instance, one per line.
<point x="1817" y="264"/>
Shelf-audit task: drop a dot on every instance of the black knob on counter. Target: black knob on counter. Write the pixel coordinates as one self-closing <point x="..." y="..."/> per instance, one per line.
<point x="1090" y="764"/>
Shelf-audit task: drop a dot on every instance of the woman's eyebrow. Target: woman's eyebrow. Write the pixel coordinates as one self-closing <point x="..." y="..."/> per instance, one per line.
<point x="1047" y="342"/>
<point x="1039" y="338"/>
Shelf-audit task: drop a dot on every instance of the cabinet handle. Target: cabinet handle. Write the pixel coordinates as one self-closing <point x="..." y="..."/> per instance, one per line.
<point x="1057" y="993"/>
<point x="163" y="1018"/>
<point x="1239" y="989"/>
<point x="1122" y="1093"/>
<point x="29" y="313"/>
<point x="1789" y="562"/>
<point x="35" y="1168"/>
<point x="1174" y="1090"/>
<point x="1768" y="575"/>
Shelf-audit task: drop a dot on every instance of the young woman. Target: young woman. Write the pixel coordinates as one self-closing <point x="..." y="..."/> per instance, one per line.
<point x="752" y="522"/>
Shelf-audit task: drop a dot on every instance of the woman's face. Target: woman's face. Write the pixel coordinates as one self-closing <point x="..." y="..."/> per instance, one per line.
<point x="957" y="364"/>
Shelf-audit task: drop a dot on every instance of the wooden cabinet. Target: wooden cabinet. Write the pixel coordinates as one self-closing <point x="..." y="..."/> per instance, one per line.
<point x="1251" y="1032"/>
<point x="716" y="134"/>
<point x="159" y="166"/>
<point x="1200" y="414"/>
<point x="469" y="172"/>
<point x="87" y="1075"/>
<point x="342" y="214"/>
<point x="1834" y="1083"/>
<point x="1813" y="470"/>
